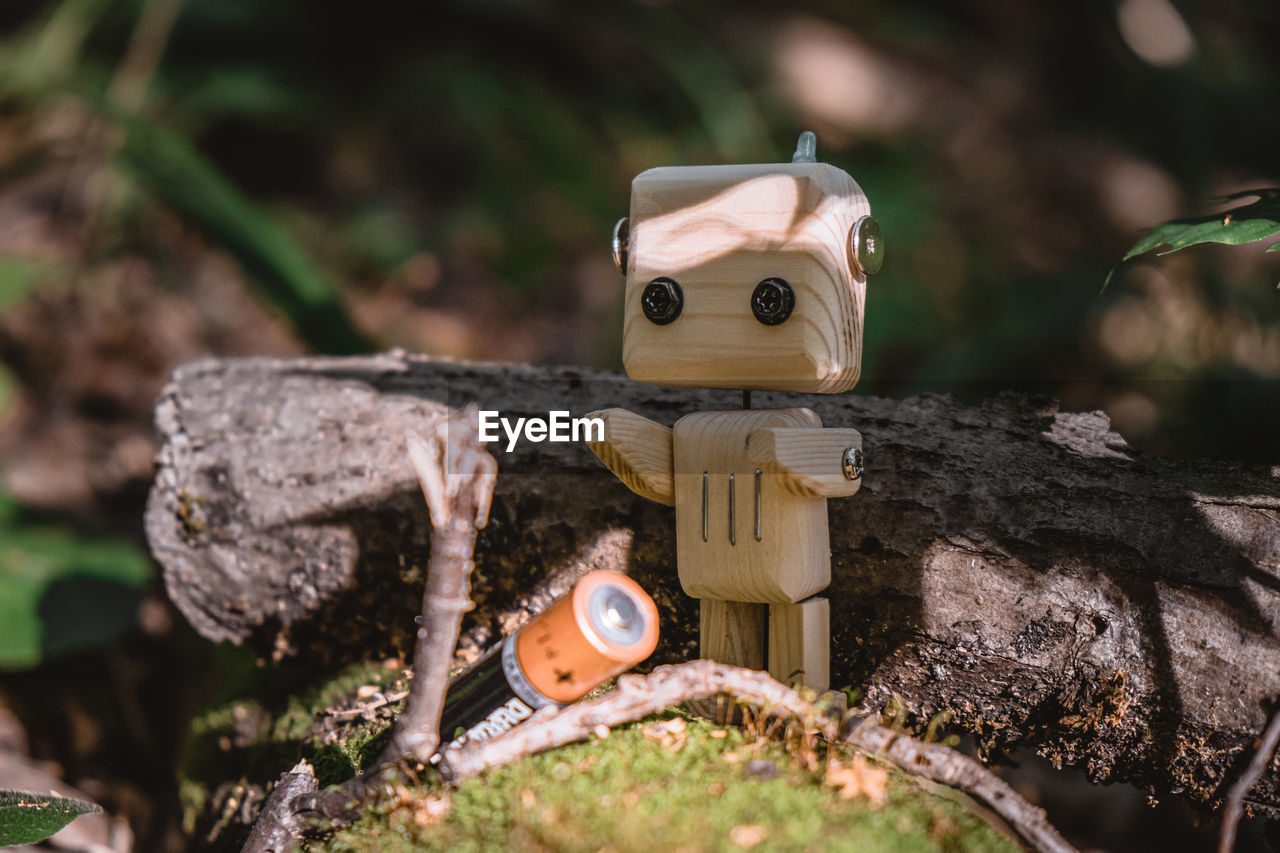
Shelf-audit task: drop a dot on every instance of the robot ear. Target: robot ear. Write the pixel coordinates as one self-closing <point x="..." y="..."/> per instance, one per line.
<point x="622" y="244"/>
<point x="866" y="247"/>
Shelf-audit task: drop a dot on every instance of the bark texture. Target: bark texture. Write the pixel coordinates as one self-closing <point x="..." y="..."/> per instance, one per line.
<point x="1020" y="567"/>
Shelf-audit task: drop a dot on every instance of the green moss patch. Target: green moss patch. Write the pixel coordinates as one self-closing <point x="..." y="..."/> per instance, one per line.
<point x="237" y="746"/>
<point x="668" y="782"/>
<point x="686" y="785"/>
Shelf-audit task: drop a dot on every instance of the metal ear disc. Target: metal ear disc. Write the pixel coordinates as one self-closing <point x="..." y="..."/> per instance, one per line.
<point x="621" y="244"/>
<point x="851" y="463"/>
<point x="866" y="247"/>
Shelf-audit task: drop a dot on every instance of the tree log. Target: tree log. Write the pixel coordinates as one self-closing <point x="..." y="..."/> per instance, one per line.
<point x="1019" y="567"/>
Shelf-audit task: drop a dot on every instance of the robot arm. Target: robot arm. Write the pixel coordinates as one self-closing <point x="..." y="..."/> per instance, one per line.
<point x="638" y="452"/>
<point x="816" y="463"/>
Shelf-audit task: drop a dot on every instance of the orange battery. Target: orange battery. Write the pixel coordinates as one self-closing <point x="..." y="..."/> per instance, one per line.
<point x="605" y="625"/>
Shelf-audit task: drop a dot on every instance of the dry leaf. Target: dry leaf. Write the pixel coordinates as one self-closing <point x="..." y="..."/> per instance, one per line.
<point x="431" y="810"/>
<point x="859" y="778"/>
<point x="670" y="734"/>
<point x="747" y="835"/>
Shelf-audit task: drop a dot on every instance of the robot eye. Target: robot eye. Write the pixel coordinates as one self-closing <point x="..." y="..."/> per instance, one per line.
<point x="772" y="301"/>
<point x="662" y="300"/>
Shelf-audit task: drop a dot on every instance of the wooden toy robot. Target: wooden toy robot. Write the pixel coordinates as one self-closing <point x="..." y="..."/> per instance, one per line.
<point x="747" y="277"/>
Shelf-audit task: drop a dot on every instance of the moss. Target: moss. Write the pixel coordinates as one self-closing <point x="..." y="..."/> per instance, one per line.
<point x="191" y="514"/>
<point x="668" y="781"/>
<point x="341" y="749"/>
<point x="646" y="787"/>
<point x="239" y="744"/>
<point x="1109" y="703"/>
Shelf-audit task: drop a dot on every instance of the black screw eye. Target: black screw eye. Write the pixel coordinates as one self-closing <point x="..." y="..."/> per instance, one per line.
<point x="772" y="301"/>
<point x="662" y="300"/>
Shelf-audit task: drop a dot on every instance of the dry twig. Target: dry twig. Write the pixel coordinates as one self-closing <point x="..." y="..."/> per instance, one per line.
<point x="639" y="696"/>
<point x="1235" y="799"/>
<point x="367" y="710"/>
<point x="457" y="477"/>
<point x="944" y="765"/>
<point x="279" y="827"/>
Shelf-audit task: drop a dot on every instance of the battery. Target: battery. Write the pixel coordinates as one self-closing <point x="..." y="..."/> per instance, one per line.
<point x="604" y="626"/>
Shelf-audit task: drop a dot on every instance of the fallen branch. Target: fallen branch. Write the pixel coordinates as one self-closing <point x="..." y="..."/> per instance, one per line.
<point x="1017" y="566"/>
<point x="943" y="765"/>
<point x="1235" y="799"/>
<point x="635" y="697"/>
<point x="639" y="696"/>
<point x="279" y="828"/>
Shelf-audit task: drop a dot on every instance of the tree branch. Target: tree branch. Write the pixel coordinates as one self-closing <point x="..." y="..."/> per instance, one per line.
<point x="636" y="697"/>
<point x="945" y="766"/>
<point x="639" y="696"/>
<point x="278" y="828"/>
<point x="1235" y="799"/>
<point x="457" y="478"/>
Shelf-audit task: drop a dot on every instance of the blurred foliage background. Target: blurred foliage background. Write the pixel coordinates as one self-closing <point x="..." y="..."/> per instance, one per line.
<point x="181" y="178"/>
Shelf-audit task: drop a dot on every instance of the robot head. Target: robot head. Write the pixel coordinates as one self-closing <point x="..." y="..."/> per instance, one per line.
<point x="747" y="277"/>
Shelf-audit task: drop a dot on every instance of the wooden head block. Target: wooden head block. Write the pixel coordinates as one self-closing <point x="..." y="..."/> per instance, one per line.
<point x="718" y="232"/>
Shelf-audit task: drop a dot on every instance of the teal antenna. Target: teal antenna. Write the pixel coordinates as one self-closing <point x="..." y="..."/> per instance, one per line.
<point x="806" y="148"/>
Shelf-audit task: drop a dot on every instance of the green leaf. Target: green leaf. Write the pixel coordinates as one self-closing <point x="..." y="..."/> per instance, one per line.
<point x="7" y="386"/>
<point x="1248" y="223"/>
<point x="18" y="277"/>
<point x="27" y="818"/>
<point x="46" y="55"/>
<point x="238" y="91"/>
<point x="62" y="591"/>
<point x="176" y="173"/>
